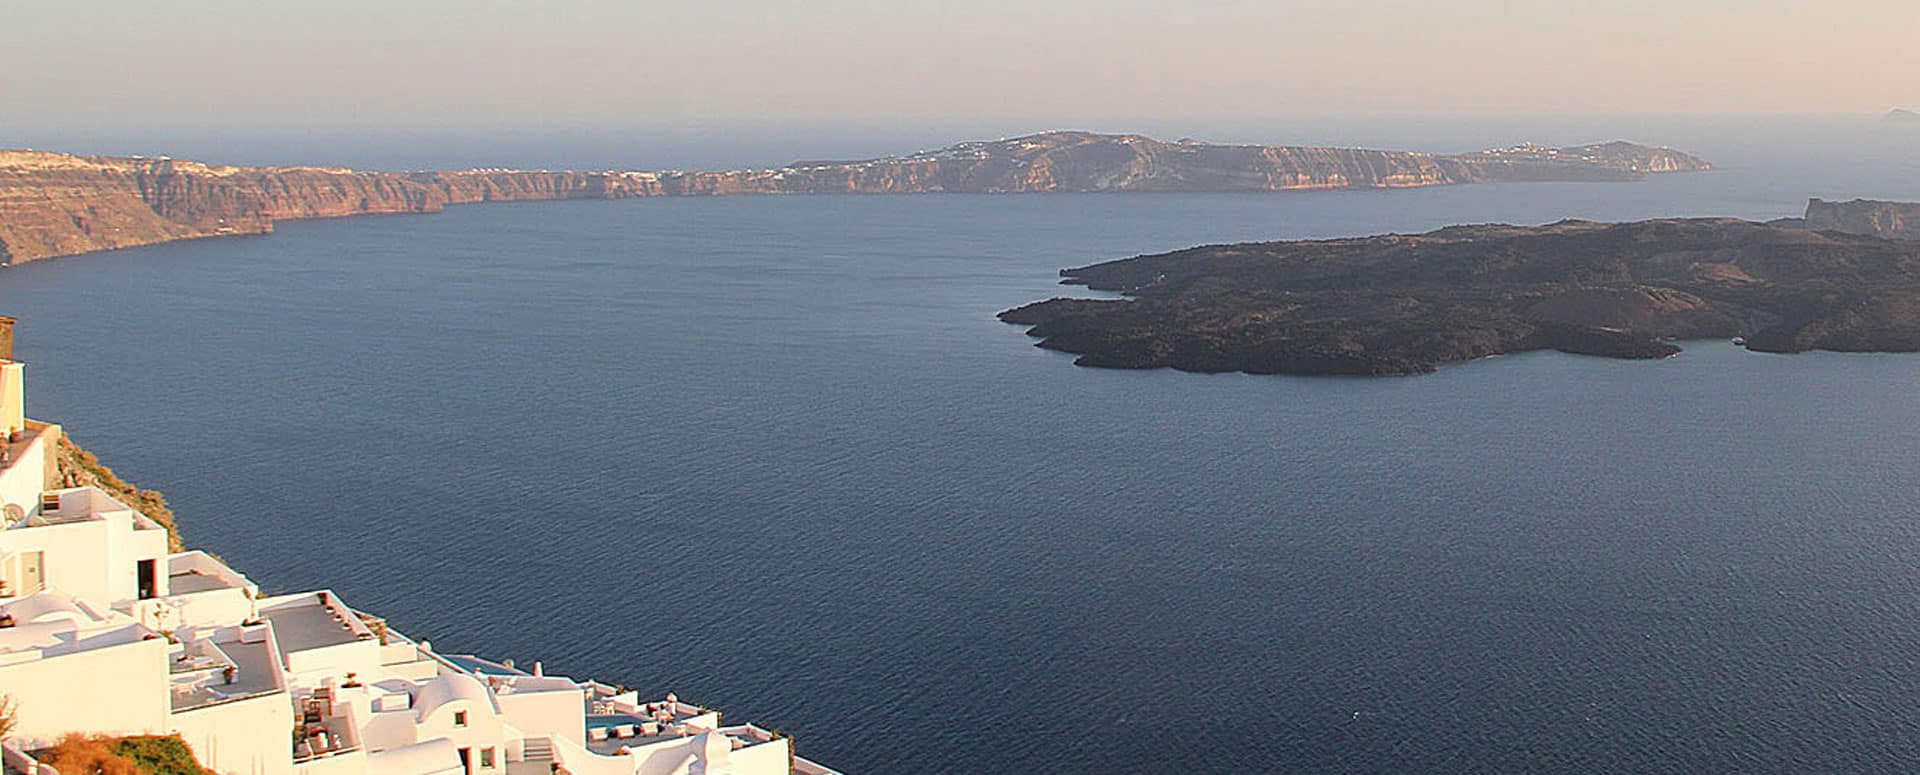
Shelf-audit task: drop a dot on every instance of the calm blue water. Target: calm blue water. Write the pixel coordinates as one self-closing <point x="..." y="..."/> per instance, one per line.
<point x="776" y="455"/>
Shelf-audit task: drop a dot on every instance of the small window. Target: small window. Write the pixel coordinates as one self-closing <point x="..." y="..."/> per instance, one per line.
<point x="486" y="758"/>
<point x="49" y="502"/>
<point x="459" y="718"/>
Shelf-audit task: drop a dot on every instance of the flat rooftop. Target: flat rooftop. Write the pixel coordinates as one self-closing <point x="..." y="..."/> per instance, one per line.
<point x="305" y="627"/>
<point x="83" y="504"/>
<point x="256" y="673"/>
<point x="194" y="581"/>
<point x="653" y="717"/>
<point x="484" y="666"/>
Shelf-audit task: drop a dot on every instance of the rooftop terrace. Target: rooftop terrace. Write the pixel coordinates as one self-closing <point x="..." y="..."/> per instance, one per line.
<point x="317" y="621"/>
<point x="195" y="581"/>
<point x="225" y="671"/>
<point x="77" y="505"/>
<point x="650" y="723"/>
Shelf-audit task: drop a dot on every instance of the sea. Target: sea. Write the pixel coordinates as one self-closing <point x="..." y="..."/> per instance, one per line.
<point x="778" y="456"/>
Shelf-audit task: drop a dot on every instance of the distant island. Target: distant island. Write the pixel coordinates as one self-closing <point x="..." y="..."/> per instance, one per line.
<point x="1902" y="115"/>
<point x="1394" y="304"/>
<point x="54" y="204"/>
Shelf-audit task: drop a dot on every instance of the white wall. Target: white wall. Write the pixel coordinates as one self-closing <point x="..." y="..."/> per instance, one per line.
<point x="13" y="395"/>
<point x="383" y="730"/>
<point x="118" y="690"/>
<point x="314" y="666"/>
<point x="579" y="761"/>
<point x="351" y="763"/>
<point x="483" y="730"/>
<point x="210" y="609"/>
<point x="541" y="714"/>
<point x="673" y="758"/>
<point x="93" y="560"/>
<point x="23" y="479"/>
<point x="763" y="759"/>
<point x="246" y="737"/>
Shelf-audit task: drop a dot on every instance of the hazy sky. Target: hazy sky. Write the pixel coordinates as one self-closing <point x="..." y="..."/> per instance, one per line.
<point x="82" y="63"/>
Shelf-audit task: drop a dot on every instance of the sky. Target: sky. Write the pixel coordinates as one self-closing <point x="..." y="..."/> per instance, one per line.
<point x="92" y="64"/>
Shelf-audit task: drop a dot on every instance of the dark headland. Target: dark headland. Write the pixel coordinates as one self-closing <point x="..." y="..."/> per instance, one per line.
<point x="1395" y="304"/>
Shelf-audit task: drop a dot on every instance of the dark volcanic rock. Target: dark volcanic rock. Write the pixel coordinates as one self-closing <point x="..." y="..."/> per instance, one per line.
<point x="1406" y="304"/>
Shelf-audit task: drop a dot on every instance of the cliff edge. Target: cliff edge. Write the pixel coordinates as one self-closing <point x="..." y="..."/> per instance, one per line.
<point x="76" y="467"/>
<point x="1893" y="220"/>
<point x="54" y="204"/>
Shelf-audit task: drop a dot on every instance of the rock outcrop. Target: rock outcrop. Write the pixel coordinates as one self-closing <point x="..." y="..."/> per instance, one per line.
<point x="55" y="204"/>
<point x="1893" y="220"/>
<point x="1399" y="304"/>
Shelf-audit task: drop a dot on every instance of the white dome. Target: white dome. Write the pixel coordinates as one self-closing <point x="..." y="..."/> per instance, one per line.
<point x="46" y="606"/>
<point x="450" y="687"/>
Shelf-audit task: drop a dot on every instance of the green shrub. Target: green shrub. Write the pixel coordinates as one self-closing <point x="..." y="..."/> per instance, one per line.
<point x="158" y="755"/>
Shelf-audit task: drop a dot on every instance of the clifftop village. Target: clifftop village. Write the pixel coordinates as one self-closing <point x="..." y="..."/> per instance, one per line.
<point x="104" y="631"/>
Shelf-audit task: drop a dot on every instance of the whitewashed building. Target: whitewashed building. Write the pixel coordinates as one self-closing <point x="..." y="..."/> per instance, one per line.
<point x="104" y="630"/>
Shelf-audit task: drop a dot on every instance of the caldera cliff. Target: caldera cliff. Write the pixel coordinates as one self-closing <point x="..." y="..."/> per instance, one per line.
<point x="54" y="204"/>
<point x="1893" y="220"/>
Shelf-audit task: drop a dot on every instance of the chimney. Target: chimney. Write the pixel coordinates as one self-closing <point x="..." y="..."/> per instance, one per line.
<point x="6" y="338"/>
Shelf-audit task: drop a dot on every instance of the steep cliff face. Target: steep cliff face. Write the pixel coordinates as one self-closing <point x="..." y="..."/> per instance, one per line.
<point x="1083" y="161"/>
<point x="1894" y="220"/>
<point x="54" y="204"/>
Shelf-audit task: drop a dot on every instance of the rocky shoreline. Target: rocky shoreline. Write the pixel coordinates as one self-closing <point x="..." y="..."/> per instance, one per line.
<point x="1407" y="304"/>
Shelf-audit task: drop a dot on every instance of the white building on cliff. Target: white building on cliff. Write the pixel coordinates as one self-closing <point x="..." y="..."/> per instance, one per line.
<point x="104" y="630"/>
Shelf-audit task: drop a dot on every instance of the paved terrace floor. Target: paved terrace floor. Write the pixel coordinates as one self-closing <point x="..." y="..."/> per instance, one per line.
<point x="674" y="730"/>
<point x="194" y="581"/>
<point x="257" y="670"/>
<point x="306" y="627"/>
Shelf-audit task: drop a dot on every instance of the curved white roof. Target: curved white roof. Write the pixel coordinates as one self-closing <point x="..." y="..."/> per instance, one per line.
<point x="46" y="606"/>
<point x="714" y="748"/>
<point x="450" y="687"/>
<point x="433" y="756"/>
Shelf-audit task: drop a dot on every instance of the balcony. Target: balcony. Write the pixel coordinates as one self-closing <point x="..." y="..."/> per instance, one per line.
<point x="634" y="726"/>
<point x="319" y="732"/>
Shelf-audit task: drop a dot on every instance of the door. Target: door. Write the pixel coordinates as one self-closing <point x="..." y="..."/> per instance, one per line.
<point x="143" y="572"/>
<point x="33" y="572"/>
<point x="466" y="760"/>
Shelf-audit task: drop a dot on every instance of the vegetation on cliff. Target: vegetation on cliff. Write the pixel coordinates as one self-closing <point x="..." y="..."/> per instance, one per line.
<point x="77" y="467"/>
<point x="78" y="754"/>
<point x="1398" y="304"/>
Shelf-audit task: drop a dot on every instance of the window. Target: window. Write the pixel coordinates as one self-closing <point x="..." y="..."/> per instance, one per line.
<point x="459" y="718"/>
<point x="486" y="758"/>
<point x="49" y="501"/>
